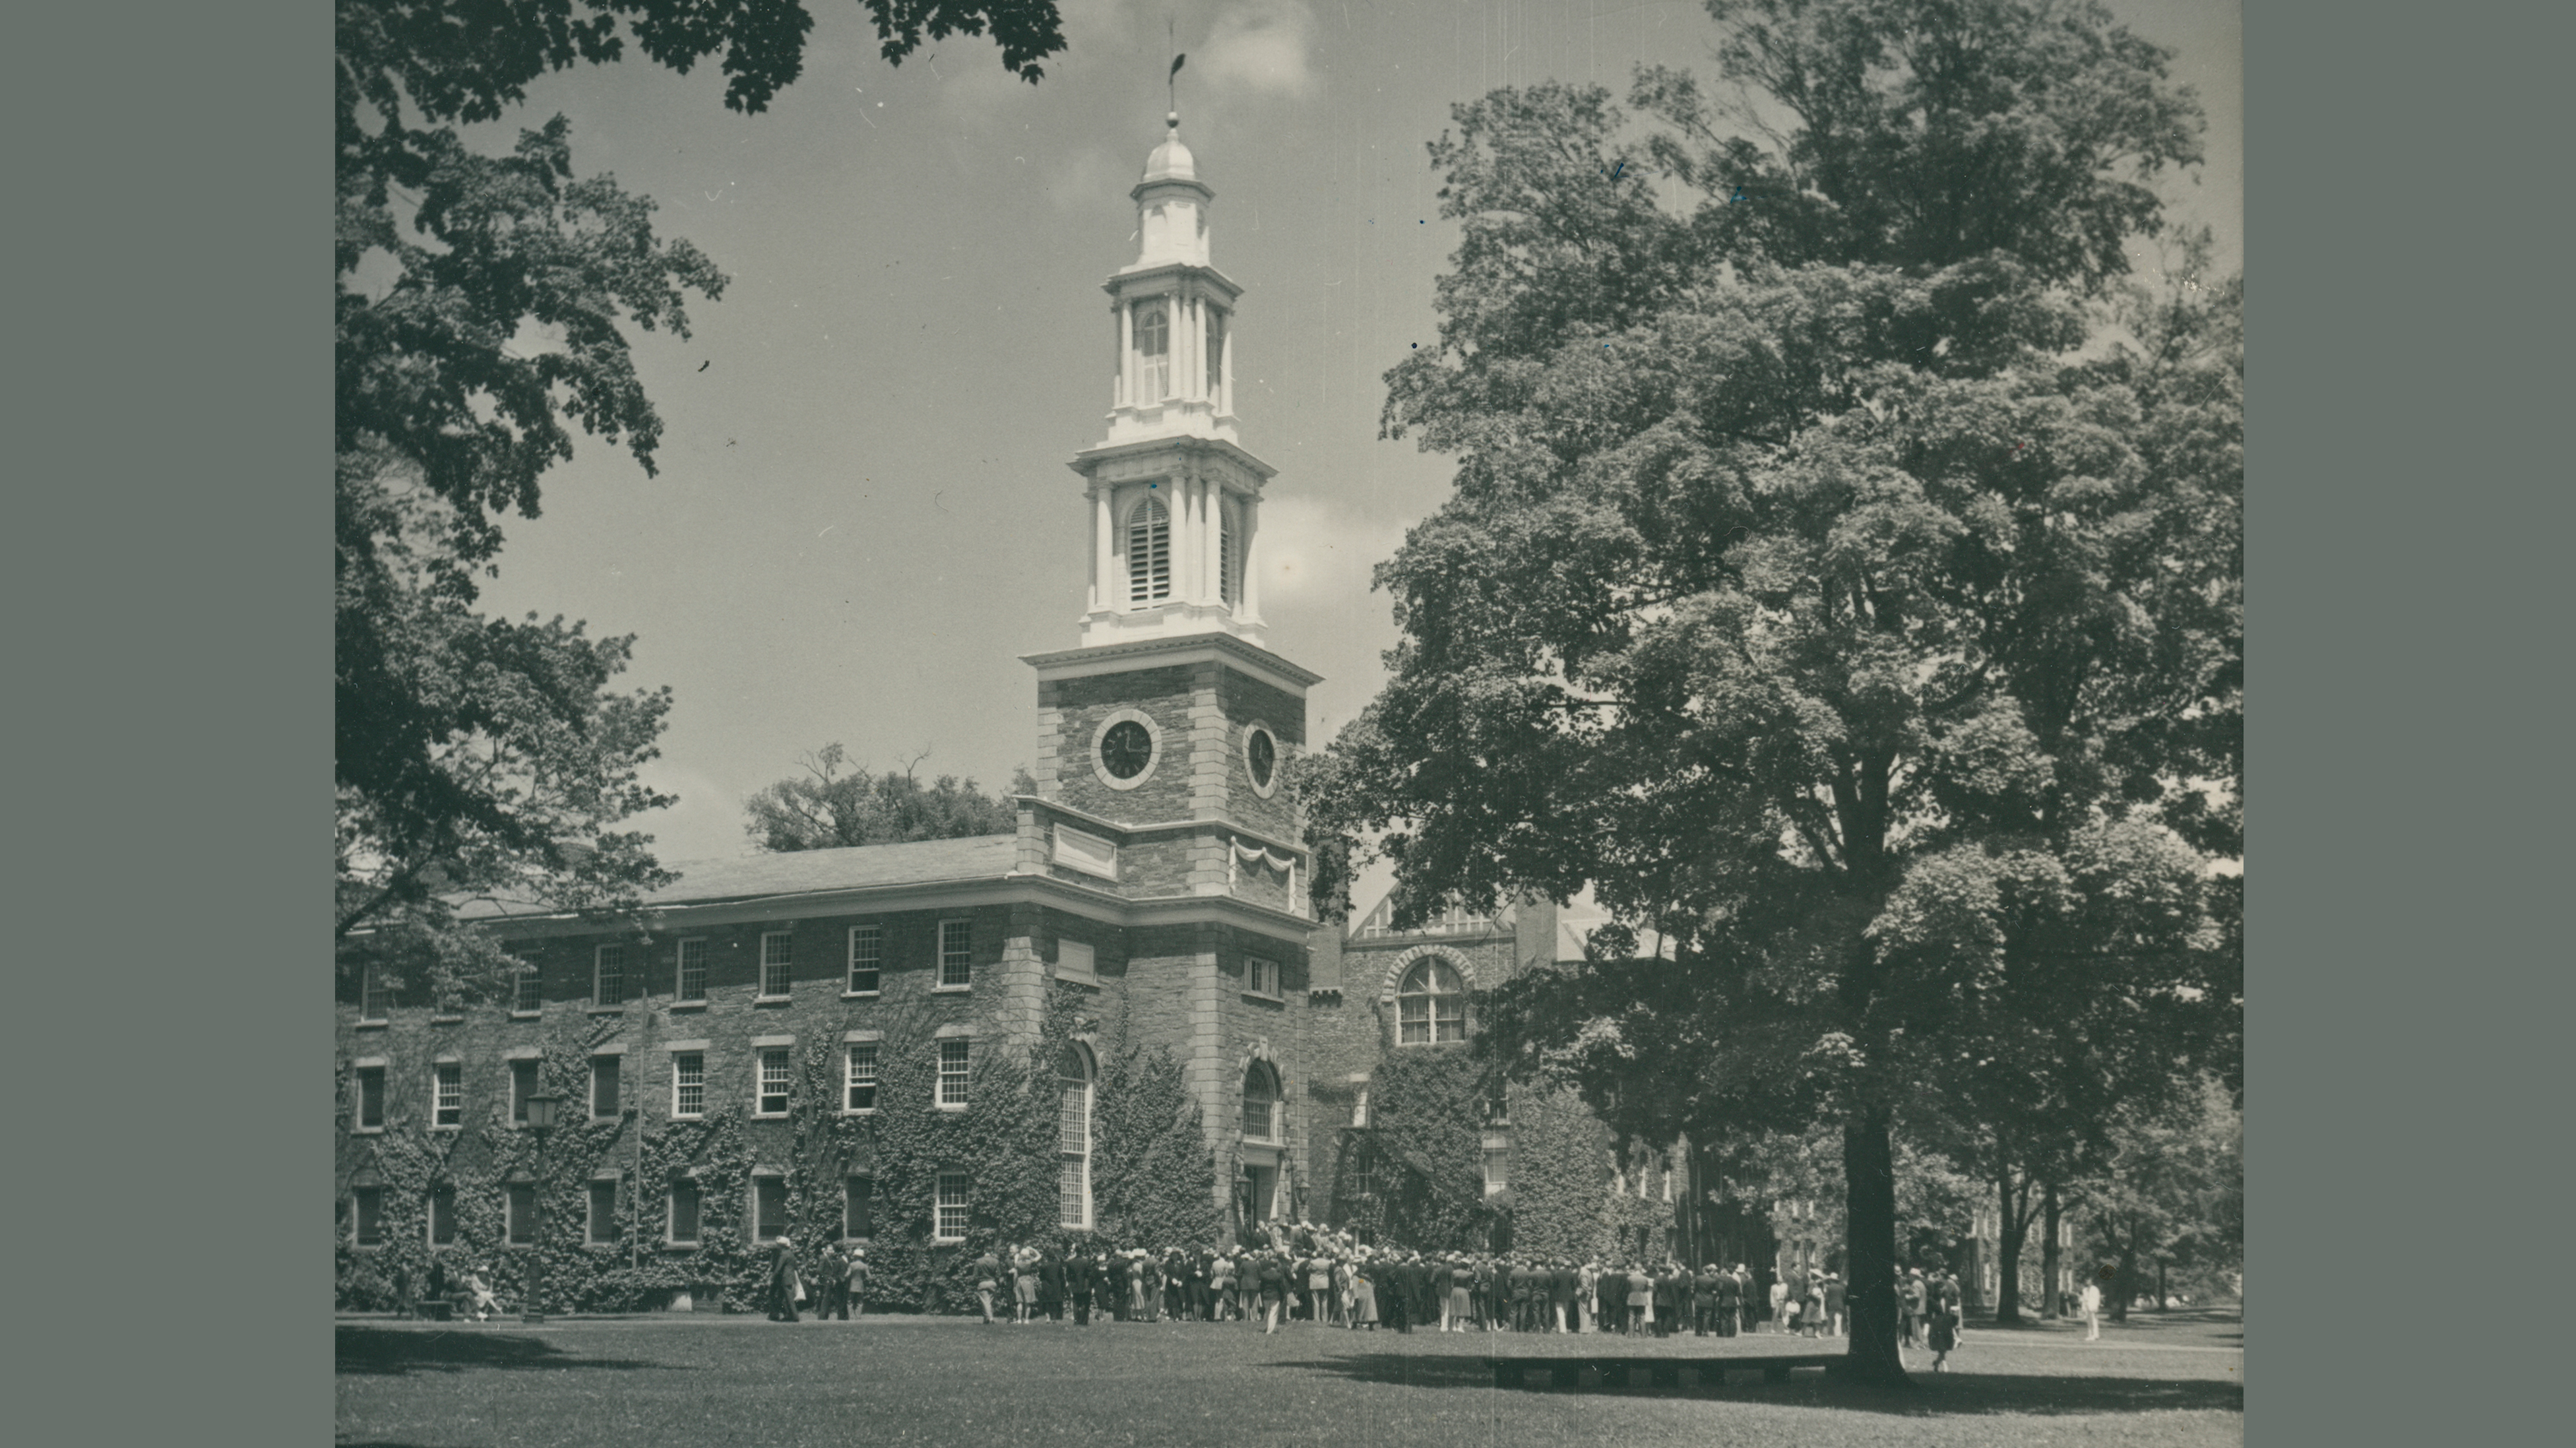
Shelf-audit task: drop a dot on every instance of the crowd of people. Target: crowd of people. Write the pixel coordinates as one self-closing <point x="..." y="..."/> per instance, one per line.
<point x="1299" y="1272"/>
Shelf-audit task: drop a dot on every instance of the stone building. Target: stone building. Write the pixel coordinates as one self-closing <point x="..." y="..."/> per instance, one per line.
<point x="1155" y="892"/>
<point x="1158" y="878"/>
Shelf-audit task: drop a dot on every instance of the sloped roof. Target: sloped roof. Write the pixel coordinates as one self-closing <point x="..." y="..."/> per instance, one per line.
<point x="805" y="872"/>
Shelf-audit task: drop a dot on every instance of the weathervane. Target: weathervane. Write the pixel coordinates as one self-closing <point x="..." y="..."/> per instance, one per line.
<point x="1171" y="93"/>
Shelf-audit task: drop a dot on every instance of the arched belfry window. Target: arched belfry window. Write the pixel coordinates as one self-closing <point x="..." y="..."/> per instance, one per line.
<point x="1073" y="1136"/>
<point x="1149" y="552"/>
<point x="1215" y="354"/>
<point x="1229" y="571"/>
<point x="1153" y="353"/>
<point x="1262" y="1106"/>
<point x="1430" y="1004"/>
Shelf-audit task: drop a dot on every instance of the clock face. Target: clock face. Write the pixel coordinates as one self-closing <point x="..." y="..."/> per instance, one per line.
<point x="1262" y="753"/>
<point x="1125" y="748"/>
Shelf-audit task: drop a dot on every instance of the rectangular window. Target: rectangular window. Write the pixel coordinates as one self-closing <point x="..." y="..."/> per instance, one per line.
<point x="442" y="1216"/>
<point x="523" y="1084"/>
<point x="683" y="1230"/>
<point x="1413" y="1021"/>
<point x="608" y="976"/>
<point x="603" y="1086"/>
<point x="1256" y="1118"/>
<point x="602" y="1226"/>
<point x="956" y="957"/>
<point x="520" y="1207"/>
<point x="693" y="970"/>
<point x="1262" y="977"/>
<point x="689" y="1087"/>
<point x="769" y="1207"/>
<point x="858" y="1206"/>
<point x="952" y="1072"/>
<point x="862" y="1077"/>
<point x="867" y="958"/>
<point x="372" y="996"/>
<point x="950" y="1224"/>
<point x="1497" y="1169"/>
<point x="528" y="990"/>
<point x="369" y="1208"/>
<point x="371" y="1098"/>
<point x="772" y="1098"/>
<point x="447" y="1094"/>
<point x="777" y="951"/>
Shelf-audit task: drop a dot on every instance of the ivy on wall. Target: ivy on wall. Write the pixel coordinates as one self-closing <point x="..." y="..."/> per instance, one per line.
<point x="1427" y="1113"/>
<point x="1561" y="1200"/>
<point x="1153" y="1176"/>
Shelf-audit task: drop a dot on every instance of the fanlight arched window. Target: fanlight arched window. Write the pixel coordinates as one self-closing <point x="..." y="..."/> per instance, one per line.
<point x="1073" y="1136"/>
<point x="1431" y="1004"/>
<point x="1149" y="553"/>
<point x="1153" y="354"/>
<point x="1261" y="1103"/>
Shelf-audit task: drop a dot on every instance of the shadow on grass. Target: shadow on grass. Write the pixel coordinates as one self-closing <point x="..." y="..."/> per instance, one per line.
<point x="1931" y="1394"/>
<point x="383" y="1352"/>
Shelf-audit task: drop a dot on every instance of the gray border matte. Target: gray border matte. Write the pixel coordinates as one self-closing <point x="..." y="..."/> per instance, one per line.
<point x="2405" y="165"/>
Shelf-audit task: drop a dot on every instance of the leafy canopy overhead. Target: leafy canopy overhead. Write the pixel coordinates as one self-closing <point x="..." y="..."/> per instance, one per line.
<point x="481" y="306"/>
<point x="825" y="809"/>
<point x="1842" y="579"/>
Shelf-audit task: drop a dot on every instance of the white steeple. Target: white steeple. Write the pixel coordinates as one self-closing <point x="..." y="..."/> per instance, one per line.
<point x="1175" y="499"/>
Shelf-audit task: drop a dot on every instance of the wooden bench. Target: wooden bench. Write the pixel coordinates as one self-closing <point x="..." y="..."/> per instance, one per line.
<point x="1662" y="1372"/>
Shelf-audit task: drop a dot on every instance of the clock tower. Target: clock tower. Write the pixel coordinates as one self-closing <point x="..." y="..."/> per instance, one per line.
<point x="1168" y="728"/>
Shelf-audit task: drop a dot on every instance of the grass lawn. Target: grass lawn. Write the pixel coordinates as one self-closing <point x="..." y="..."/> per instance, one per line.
<point x="699" y="1381"/>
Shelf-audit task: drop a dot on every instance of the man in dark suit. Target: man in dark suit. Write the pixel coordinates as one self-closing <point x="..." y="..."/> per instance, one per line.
<point x="1395" y="1298"/>
<point x="1051" y="1283"/>
<point x="782" y="1282"/>
<point x="1080" y="1276"/>
<point x="1563" y="1282"/>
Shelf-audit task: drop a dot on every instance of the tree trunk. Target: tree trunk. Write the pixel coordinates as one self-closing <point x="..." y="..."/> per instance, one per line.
<point x="2010" y="1228"/>
<point x="2052" y="1285"/>
<point x="2125" y="1280"/>
<point x="1869" y="1216"/>
<point x="2160" y="1286"/>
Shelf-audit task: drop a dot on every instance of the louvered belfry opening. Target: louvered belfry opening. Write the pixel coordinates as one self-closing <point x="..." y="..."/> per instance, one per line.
<point x="1149" y="553"/>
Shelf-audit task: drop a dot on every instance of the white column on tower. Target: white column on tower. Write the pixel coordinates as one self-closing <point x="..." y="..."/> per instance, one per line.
<point x="1251" y="564"/>
<point x="1104" y="534"/>
<point x="1212" y="548"/>
<point x="1126" y="353"/>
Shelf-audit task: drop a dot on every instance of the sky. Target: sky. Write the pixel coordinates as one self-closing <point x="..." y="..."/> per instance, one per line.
<point x="864" y="514"/>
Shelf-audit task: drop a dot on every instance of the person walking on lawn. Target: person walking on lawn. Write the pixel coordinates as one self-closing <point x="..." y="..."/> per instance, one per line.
<point x="782" y="1281"/>
<point x="1836" y="1299"/>
<point x="2092" y="1301"/>
<point x="854" y="1283"/>
<point x="988" y="1281"/>
<point x="1945" y="1337"/>
<point x="1912" y="1299"/>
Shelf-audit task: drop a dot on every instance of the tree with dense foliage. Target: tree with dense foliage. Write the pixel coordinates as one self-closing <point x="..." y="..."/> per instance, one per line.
<point x="2171" y="1194"/>
<point x="825" y="808"/>
<point x="1842" y="579"/>
<point x="474" y="756"/>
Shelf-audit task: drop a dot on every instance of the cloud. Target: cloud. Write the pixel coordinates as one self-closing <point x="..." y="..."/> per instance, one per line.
<point x="1312" y="553"/>
<point x="1085" y="178"/>
<point x="1262" y="45"/>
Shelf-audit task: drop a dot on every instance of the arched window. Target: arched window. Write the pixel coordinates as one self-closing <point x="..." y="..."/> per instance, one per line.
<point x="1431" y="1004"/>
<point x="1261" y="1103"/>
<point x="1215" y="355"/>
<point x="1149" y="552"/>
<point x="1153" y="354"/>
<point x="1073" y="1136"/>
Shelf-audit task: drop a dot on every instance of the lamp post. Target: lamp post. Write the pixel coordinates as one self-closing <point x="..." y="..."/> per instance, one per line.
<point x="541" y="1120"/>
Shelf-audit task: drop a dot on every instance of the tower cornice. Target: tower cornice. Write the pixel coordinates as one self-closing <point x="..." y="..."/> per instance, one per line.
<point x="1127" y="280"/>
<point x="1148" y="653"/>
<point x="1090" y="460"/>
